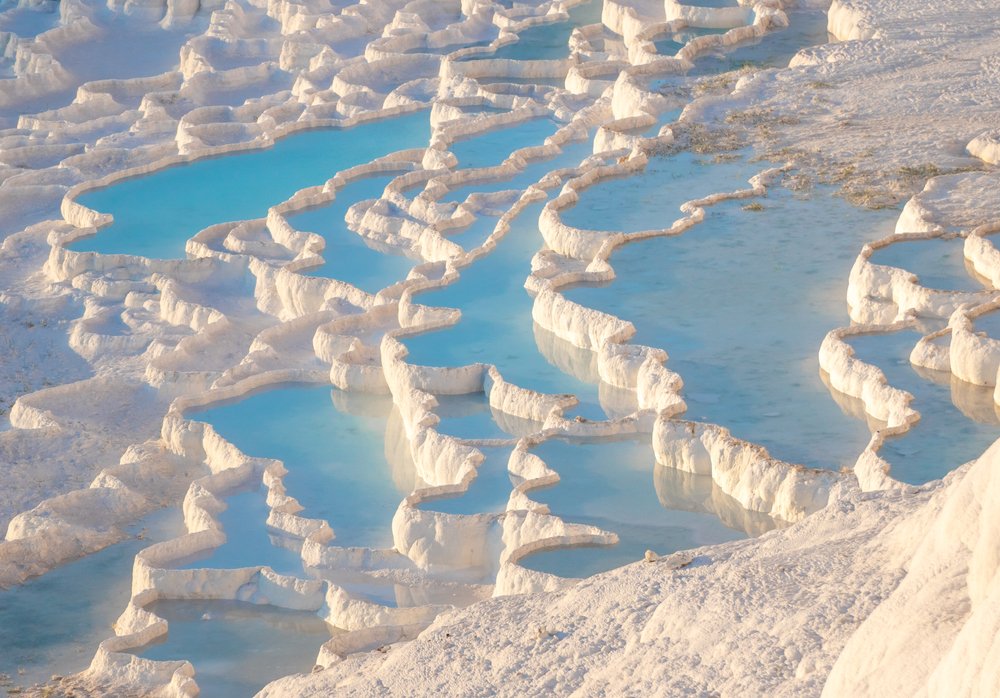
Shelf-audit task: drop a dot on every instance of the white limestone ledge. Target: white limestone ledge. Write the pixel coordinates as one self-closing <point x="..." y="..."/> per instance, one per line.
<point x="882" y="401"/>
<point x="881" y="295"/>
<point x="744" y="471"/>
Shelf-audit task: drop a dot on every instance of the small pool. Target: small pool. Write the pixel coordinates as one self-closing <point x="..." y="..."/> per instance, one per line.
<point x="157" y="213"/>
<point x="335" y="454"/>
<point x="496" y="325"/>
<point x="492" y="147"/>
<point x="549" y="41"/>
<point x="958" y="420"/>
<point x="249" y="541"/>
<point x="237" y="648"/>
<point x="488" y="492"/>
<point x="471" y="417"/>
<point x="938" y="263"/>
<point x="348" y="256"/>
<point x="53" y="624"/>
<point x="612" y="484"/>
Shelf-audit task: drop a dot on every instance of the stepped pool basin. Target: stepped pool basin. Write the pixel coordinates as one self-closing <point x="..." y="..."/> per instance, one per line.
<point x="154" y="215"/>
<point x="492" y="147"/>
<point x="470" y="416"/>
<point x="947" y="406"/>
<point x="54" y="623"/>
<point x="741" y="303"/>
<point x="347" y="256"/>
<point x="496" y="326"/>
<point x="237" y="648"/>
<point x="611" y="484"/>
<point x="249" y="542"/>
<point x="488" y="492"/>
<point x="938" y="263"/>
<point x="547" y="41"/>
<point x="335" y="455"/>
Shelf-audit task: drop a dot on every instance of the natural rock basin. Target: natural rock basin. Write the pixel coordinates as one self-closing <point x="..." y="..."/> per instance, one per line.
<point x="741" y="303"/>
<point x="249" y="542"/>
<point x="53" y="624"/>
<point x="237" y="648"/>
<point x="947" y="405"/>
<point x="488" y="492"/>
<point x="332" y="444"/>
<point x="938" y="263"/>
<point x="496" y="320"/>
<point x="150" y="223"/>
<point x="615" y="485"/>
<point x="347" y="256"/>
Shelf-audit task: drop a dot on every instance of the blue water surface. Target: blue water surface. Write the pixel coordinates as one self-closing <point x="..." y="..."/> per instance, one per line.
<point x="335" y="454"/>
<point x="155" y="215"/>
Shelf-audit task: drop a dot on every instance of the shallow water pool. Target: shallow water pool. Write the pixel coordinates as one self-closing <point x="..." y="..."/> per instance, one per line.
<point x="938" y="263"/>
<point x="53" y="624"/>
<point x="335" y="455"/>
<point x="249" y="542"/>
<point x="958" y="420"/>
<point x="741" y="303"/>
<point x="488" y="492"/>
<point x="496" y="324"/>
<point x="612" y="484"/>
<point x="155" y="215"/>
<point x="237" y="648"/>
<point x="492" y="147"/>
<point x="347" y="256"/>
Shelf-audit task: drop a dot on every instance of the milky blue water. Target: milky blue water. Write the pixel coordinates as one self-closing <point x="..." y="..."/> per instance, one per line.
<point x="470" y="416"/>
<point x="742" y="303"/>
<point x="547" y="41"/>
<point x="493" y="147"/>
<point x="715" y="4"/>
<point x="249" y="541"/>
<point x="652" y="199"/>
<point x="53" y="624"/>
<point x="335" y="456"/>
<point x="474" y="234"/>
<point x="488" y="492"/>
<point x="989" y="323"/>
<point x="448" y="48"/>
<point x="572" y="154"/>
<point x="237" y="648"/>
<point x="775" y="49"/>
<point x="157" y="213"/>
<point x="938" y="263"/>
<point x="611" y="484"/>
<point x="348" y="256"/>
<point x="674" y="42"/>
<point x="496" y="322"/>
<point x="26" y="21"/>
<point x="957" y="420"/>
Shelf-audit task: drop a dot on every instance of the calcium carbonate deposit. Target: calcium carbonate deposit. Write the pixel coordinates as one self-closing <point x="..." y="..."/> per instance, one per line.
<point x="477" y="347"/>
